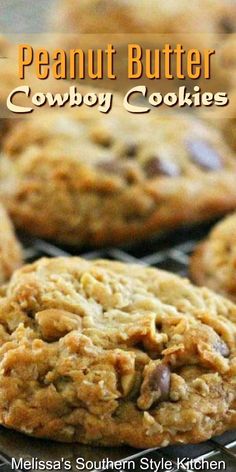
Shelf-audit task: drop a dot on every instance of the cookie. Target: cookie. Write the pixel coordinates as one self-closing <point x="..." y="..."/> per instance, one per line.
<point x="213" y="263"/>
<point x="105" y="353"/>
<point x="87" y="178"/>
<point x="228" y="122"/>
<point x="91" y="16"/>
<point x="170" y="21"/>
<point x="10" y="249"/>
<point x="224" y="119"/>
<point x="227" y="54"/>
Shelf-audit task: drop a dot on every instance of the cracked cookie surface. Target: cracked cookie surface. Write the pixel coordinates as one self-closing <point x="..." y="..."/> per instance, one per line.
<point x="106" y="353"/>
<point x="83" y="177"/>
<point x="213" y="263"/>
<point x="11" y="256"/>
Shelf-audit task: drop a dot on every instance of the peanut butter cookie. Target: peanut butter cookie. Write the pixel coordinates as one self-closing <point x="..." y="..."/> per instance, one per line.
<point x="224" y="119"/>
<point x="213" y="263"/>
<point x="105" y="353"/>
<point x="137" y="16"/>
<point x="84" y="177"/>
<point x="10" y="250"/>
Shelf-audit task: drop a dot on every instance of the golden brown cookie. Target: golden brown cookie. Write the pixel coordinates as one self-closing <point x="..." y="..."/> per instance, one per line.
<point x="137" y="16"/>
<point x="105" y="353"/>
<point x="213" y="263"/>
<point x="10" y="251"/>
<point x="224" y="119"/>
<point x="182" y="21"/>
<point x="84" y="177"/>
<point x="157" y="22"/>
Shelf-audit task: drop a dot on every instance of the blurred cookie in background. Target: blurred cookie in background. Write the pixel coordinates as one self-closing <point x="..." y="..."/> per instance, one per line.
<point x="223" y="73"/>
<point x="137" y="16"/>
<point x="11" y="256"/>
<point x="213" y="263"/>
<point x="87" y="178"/>
<point x="223" y="118"/>
<point x="152" y="24"/>
<point x="227" y="54"/>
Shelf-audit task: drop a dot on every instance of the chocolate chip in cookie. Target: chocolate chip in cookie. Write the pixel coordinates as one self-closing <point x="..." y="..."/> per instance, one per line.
<point x="221" y="347"/>
<point x="160" y="380"/>
<point x="204" y="155"/>
<point x="156" y="166"/>
<point x="131" y="150"/>
<point x="156" y="385"/>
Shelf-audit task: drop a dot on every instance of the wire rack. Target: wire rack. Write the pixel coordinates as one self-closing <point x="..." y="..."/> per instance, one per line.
<point x="170" y="253"/>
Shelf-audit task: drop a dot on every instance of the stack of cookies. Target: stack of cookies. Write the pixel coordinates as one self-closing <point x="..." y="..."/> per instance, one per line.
<point x="106" y="353"/>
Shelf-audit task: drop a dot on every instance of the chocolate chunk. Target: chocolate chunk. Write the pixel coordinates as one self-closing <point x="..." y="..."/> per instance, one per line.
<point x="221" y="347"/>
<point x="156" y="166"/>
<point x="131" y="150"/>
<point x="160" y="380"/>
<point x="204" y="155"/>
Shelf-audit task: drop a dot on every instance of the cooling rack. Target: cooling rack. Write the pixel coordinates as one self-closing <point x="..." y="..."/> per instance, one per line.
<point x="170" y="253"/>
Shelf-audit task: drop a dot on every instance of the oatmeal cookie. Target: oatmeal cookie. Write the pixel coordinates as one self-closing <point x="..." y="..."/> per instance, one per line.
<point x="192" y="24"/>
<point x="106" y="353"/>
<point x="137" y="16"/>
<point x="84" y="177"/>
<point x="213" y="263"/>
<point x="224" y="119"/>
<point x="10" y="250"/>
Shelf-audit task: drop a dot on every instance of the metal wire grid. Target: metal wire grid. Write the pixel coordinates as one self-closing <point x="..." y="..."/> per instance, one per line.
<point x="223" y="449"/>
